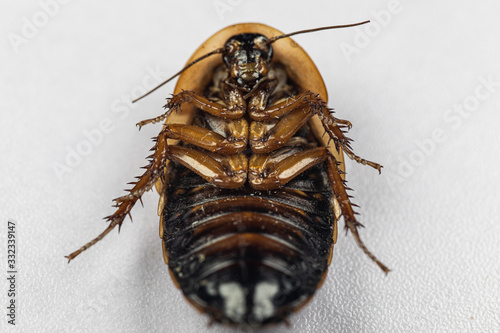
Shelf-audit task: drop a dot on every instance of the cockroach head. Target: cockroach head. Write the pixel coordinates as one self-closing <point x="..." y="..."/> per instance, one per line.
<point x="247" y="57"/>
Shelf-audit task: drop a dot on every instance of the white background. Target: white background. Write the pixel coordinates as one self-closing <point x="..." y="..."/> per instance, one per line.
<point x="432" y="216"/>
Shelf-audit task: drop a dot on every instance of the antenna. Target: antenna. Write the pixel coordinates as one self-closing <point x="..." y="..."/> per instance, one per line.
<point x="221" y="50"/>
<point x="275" y="38"/>
<point x="179" y="72"/>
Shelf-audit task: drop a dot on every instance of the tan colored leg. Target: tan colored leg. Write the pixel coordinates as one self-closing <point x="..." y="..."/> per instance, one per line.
<point x="125" y="203"/>
<point x="235" y="142"/>
<point x="228" y="172"/>
<point x="266" y="174"/>
<point x="331" y="125"/>
<point x="215" y="109"/>
<point x="263" y="140"/>
<point x="339" y="190"/>
<point x="175" y="102"/>
<point x="278" y="110"/>
<point x="223" y="171"/>
<point x="316" y="105"/>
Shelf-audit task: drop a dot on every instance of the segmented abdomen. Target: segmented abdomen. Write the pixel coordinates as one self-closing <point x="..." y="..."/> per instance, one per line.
<point x="246" y="256"/>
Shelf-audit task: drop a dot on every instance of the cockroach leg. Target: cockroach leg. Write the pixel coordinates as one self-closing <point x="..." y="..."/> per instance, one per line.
<point x="259" y="95"/>
<point x="264" y="141"/>
<point x="339" y="190"/>
<point x="331" y="125"/>
<point x="125" y="203"/>
<point x="360" y="160"/>
<point x="235" y="141"/>
<point x="346" y="123"/>
<point x="265" y="174"/>
<point x="279" y="109"/>
<point x="299" y="110"/>
<point x="155" y="120"/>
<point x="215" y="109"/>
<point x="206" y="166"/>
<point x="228" y="171"/>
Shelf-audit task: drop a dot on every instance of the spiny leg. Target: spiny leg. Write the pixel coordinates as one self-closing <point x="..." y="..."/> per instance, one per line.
<point x="331" y="125"/>
<point x="125" y="203"/>
<point x="226" y="171"/>
<point x="215" y="109"/>
<point x="339" y="190"/>
<point x="175" y="102"/>
<point x="278" y="110"/>
<point x="267" y="173"/>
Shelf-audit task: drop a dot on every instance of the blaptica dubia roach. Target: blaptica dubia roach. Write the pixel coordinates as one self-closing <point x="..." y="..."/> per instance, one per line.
<point x="250" y="189"/>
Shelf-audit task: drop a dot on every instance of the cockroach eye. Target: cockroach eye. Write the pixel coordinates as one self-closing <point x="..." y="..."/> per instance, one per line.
<point x="261" y="43"/>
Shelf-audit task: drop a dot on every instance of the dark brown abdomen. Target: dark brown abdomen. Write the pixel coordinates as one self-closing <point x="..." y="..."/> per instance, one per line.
<point x="248" y="257"/>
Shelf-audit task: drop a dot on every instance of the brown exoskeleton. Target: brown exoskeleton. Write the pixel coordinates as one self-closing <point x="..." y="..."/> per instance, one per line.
<point x="251" y="193"/>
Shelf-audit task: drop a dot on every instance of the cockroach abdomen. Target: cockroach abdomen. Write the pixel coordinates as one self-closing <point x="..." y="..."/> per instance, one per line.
<point x="248" y="257"/>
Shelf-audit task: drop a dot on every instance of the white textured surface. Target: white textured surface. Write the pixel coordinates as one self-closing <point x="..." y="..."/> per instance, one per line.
<point x="437" y="226"/>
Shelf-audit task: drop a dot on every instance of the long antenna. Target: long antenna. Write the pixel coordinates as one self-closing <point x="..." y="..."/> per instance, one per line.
<point x="275" y="38"/>
<point x="180" y="72"/>
<point x="221" y="50"/>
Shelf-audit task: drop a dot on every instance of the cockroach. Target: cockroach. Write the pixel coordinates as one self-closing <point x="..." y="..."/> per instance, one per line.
<point x="250" y="188"/>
